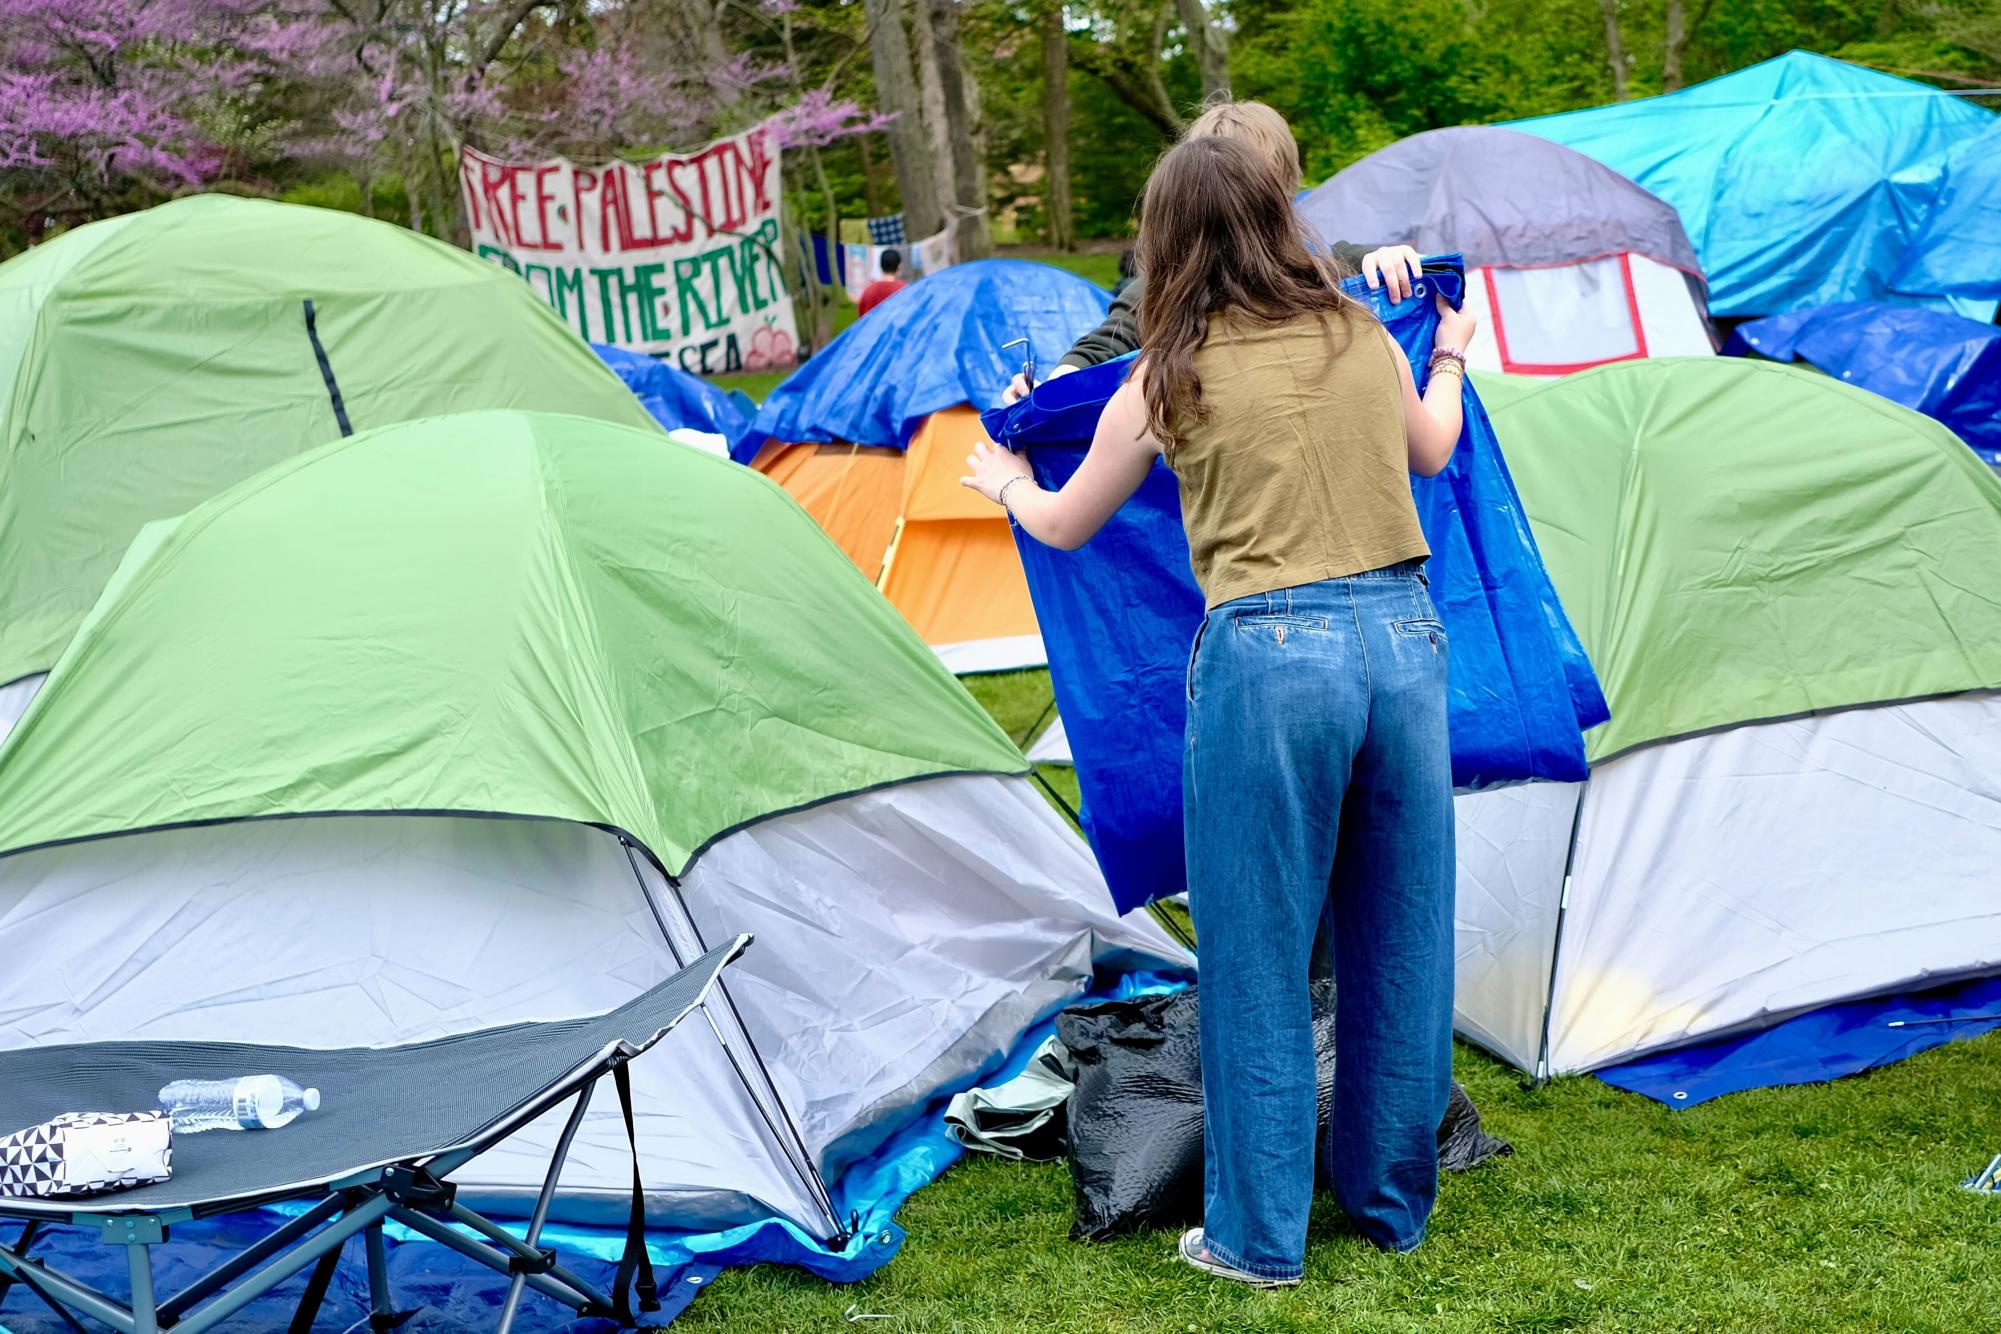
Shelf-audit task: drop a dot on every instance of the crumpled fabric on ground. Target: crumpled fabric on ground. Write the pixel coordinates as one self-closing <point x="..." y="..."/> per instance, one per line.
<point x="1027" y="1118"/>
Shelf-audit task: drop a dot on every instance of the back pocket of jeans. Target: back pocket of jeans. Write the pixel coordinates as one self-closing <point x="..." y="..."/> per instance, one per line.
<point x="1424" y="627"/>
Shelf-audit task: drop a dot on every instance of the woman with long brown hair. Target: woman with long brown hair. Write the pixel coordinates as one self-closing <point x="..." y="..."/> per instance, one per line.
<point x="1317" y="778"/>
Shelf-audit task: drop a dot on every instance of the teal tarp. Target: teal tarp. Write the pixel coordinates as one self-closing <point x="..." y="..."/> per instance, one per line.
<point x="1781" y="173"/>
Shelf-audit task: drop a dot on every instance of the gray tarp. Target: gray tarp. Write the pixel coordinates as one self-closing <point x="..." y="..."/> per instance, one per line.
<point x="1498" y="197"/>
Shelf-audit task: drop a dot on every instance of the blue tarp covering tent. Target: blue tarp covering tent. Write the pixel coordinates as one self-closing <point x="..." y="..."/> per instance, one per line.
<point x="678" y="400"/>
<point x="937" y="344"/>
<point x="1955" y="203"/>
<point x="1117" y="616"/>
<point x="1781" y="172"/>
<point x="1944" y="366"/>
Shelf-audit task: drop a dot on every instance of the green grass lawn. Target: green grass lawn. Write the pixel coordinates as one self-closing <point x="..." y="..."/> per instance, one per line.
<point x="1784" y="1211"/>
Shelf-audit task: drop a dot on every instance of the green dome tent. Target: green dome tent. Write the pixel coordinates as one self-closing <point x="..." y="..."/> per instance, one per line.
<point x="151" y="360"/>
<point x="497" y="716"/>
<point x="1791" y="590"/>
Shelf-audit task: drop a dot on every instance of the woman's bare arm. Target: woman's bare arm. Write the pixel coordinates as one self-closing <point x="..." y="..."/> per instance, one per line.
<point x="1432" y="420"/>
<point x="1121" y="454"/>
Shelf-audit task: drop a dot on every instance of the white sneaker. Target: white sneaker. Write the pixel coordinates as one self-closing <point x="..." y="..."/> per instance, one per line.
<point x="1192" y="1253"/>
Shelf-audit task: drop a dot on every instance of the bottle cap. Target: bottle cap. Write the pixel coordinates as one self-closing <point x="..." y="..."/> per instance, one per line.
<point x="312" y="1100"/>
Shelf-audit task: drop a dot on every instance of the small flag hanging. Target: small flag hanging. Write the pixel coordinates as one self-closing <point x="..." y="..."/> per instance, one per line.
<point x="886" y="230"/>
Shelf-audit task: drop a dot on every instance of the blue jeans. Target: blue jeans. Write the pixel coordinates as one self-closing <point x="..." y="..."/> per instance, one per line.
<point x="1318" y="794"/>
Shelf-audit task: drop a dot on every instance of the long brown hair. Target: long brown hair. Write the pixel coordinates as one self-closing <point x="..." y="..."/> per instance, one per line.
<point x="1218" y="234"/>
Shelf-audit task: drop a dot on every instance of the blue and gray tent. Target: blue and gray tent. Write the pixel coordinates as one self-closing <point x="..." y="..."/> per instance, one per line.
<point x="1568" y="263"/>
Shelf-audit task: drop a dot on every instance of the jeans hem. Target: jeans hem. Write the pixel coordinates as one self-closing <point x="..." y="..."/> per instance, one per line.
<point x="1255" y="1271"/>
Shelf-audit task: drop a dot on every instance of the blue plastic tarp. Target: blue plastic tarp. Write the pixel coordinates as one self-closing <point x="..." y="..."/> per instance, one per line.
<point x="1942" y="365"/>
<point x="1955" y="204"/>
<point x="1118" y="614"/>
<point x="678" y="400"/>
<point x="1781" y="173"/>
<point x="444" y="1292"/>
<point x="939" y="343"/>
<point x="1819" y="1045"/>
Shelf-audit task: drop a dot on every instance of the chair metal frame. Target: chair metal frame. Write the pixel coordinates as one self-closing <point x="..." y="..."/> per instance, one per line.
<point x="416" y="1193"/>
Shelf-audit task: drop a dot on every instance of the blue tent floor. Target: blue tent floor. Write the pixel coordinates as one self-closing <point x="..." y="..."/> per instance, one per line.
<point x="447" y="1292"/>
<point x="1819" y="1045"/>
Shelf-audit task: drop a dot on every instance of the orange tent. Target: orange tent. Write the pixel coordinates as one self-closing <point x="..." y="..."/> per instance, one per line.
<point x="871" y="434"/>
<point x="941" y="554"/>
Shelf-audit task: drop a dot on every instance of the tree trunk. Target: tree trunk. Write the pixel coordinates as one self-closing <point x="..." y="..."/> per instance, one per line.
<point x="1680" y="28"/>
<point x="1211" y="45"/>
<point x="1677" y="39"/>
<point x="871" y="191"/>
<point x="896" y="95"/>
<point x="1615" y="48"/>
<point x="973" y="239"/>
<point x="703" y="22"/>
<point x="924" y="39"/>
<point x="822" y="302"/>
<point x="1056" y="205"/>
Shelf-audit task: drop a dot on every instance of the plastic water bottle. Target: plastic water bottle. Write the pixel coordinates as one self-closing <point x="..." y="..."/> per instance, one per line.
<point x="253" y="1102"/>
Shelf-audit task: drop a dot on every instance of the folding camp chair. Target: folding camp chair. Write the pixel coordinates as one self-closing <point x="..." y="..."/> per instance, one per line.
<point x="395" y="1124"/>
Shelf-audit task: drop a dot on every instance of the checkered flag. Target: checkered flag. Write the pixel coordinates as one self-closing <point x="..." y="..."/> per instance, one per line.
<point x="887" y="231"/>
<point x="83" y="1153"/>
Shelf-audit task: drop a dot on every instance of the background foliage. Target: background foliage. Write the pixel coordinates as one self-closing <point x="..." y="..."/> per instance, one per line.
<point x="107" y="105"/>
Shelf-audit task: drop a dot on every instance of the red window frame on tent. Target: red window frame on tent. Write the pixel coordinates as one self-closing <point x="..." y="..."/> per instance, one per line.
<point x="1513" y="367"/>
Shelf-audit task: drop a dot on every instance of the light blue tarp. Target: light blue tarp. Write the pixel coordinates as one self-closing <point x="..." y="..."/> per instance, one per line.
<point x="1944" y="366"/>
<point x="1118" y="614"/>
<point x="937" y="344"/>
<point x="678" y="400"/>
<point x="1954" y="204"/>
<point x="1781" y="173"/>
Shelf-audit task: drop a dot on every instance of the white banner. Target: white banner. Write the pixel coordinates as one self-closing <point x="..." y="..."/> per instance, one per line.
<point x="677" y="256"/>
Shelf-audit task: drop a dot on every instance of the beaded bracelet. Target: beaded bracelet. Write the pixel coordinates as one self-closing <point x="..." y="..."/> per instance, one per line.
<point x="1447" y="354"/>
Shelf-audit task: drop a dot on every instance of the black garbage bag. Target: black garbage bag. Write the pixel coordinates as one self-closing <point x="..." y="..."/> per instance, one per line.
<point x="1136" y="1116"/>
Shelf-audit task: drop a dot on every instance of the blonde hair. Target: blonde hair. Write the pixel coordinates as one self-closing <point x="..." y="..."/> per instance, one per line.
<point x="1254" y="124"/>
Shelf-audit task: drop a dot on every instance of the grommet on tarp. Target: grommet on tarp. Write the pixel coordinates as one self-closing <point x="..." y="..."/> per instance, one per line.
<point x="1681" y="1095"/>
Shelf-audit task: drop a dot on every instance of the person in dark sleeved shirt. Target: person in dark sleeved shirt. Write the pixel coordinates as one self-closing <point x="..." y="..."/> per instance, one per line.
<point x="1394" y="267"/>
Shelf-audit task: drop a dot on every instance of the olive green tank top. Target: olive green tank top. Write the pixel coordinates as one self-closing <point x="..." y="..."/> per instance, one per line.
<point x="1301" y="471"/>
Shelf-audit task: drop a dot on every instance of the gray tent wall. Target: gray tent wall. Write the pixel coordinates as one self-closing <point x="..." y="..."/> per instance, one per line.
<point x="905" y="938"/>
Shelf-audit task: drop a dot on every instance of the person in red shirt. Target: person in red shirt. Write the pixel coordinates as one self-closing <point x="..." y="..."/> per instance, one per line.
<point x="884" y="287"/>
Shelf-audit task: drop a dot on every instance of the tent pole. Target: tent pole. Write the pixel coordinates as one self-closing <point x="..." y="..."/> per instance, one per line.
<point x="800" y="1161"/>
<point x="1540" y="1075"/>
<point x="889" y="556"/>
<point x="1036" y="726"/>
